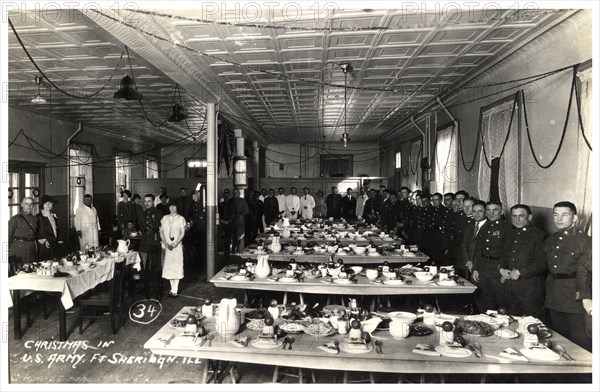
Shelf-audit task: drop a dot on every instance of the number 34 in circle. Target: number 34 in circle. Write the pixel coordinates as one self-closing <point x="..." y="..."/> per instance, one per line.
<point x="145" y="311"/>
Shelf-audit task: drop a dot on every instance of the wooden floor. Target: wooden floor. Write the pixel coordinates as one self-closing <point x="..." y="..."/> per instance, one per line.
<point x="122" y="359"/>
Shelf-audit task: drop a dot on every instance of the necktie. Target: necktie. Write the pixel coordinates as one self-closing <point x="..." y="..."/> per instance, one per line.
<point x="476" y="228"/>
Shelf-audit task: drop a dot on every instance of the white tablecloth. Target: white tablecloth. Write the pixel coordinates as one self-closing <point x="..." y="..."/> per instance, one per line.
<point x="73" y="286"/>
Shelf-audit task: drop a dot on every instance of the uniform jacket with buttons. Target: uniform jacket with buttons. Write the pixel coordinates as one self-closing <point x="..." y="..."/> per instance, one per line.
<point x="490" y="240"/>
<point x="524" y="251"/>
<point x="566" y="249"/>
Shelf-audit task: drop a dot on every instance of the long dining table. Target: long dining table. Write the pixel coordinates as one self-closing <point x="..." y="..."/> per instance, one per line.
<point x="397" y="355"/>
<point x="67" y="288"/>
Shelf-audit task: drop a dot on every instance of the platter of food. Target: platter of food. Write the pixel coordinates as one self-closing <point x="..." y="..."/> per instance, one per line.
<point x="291" y="327"/>
<point x="474" y="327"/>
<point x="319" y="329"/>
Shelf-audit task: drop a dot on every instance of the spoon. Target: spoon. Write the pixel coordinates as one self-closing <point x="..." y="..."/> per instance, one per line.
<point x="291" y="340"/>
<point x="477" y="347"/>
<point x="563" y="353"/>
<point x="210" y="338"/>
<point x="379" y="345"/>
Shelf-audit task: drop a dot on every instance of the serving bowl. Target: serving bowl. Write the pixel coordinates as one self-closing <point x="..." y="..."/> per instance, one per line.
<point x="359" y="250"/>
<point x="357" y="269"/>
<point x="423" y="276"/>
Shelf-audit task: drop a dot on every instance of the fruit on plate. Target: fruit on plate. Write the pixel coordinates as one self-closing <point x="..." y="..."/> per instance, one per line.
<point x="355" y="324"/>
<point x="473" y="327"/>
<point x="533" y="329"/>
<point x="191" y="320"/>
<point x="428" y="308"/>
<point x="501" y="311"/>
<point x="273" y="302"/>
<point x="207" y="302"/>
<point x="460" y="340"/>
<point x="269" y="321"/>
<point x="447" y="326"/>
<point x="418" y="329"/>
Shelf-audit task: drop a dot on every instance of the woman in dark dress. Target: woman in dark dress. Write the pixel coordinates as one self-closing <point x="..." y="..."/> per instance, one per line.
<point x="47" y="230"/>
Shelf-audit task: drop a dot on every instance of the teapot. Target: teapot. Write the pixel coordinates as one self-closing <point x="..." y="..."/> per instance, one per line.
<point x="262" y="267"/>
<point x="286" y="232"/>
<point x="123" y="246"/>
<point x="228" y="321"/>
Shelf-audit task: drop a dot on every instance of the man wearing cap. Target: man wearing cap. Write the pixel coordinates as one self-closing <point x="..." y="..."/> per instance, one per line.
<point x="566" y="250"/>
<point x="149" y="248"/>
<point x="22" y="235"/>
<point x="334" y="204"/>
<point x="307" y="204"/>
<point x="87" y="224"/>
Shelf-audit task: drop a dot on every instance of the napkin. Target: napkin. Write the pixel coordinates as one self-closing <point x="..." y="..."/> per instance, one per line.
<point x="329" y="348"/>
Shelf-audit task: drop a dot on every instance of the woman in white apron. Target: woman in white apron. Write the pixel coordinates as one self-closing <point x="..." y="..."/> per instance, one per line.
<point x="172" y="230"/>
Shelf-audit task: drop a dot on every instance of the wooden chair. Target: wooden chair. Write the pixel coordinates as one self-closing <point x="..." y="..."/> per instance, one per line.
<point x="111" y="300"/>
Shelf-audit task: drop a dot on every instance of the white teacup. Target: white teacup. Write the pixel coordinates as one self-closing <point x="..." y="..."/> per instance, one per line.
<point x="372" y="274"/>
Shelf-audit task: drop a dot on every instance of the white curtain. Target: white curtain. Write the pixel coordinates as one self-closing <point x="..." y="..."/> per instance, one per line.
<point x="151" y="167"/>
<point x="494" y="126"/>
<point x="415" y="165"/>
<point x="446" y="168"/>
<point x="81" y="176"/>
<point x="584" y="156"/>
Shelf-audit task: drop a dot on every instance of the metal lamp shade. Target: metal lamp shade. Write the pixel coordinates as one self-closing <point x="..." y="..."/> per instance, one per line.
<point x="128" y="90"/>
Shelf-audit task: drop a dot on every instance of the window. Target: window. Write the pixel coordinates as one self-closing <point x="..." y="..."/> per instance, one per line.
<point x="151" y="167"/>
<point x="495" y="125"/>
<point x="398" y="160"/>
<point x="23" y="182"/>
<point x="122" y="174"/>
<point x="195" y="168"/>
<point x="81" y="179"/>
<point x="446" y="168"/>
<point x="337" y="165"/>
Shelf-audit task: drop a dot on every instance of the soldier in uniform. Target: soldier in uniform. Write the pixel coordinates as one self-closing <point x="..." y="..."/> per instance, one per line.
<point x="22" y="235"/>
<point x="370" y="213"/>
<point x="224" y="219"/>
<point x="523" y="264"/>
<point x="566" y="249"/>
<point x="486" y="263"/>
<point x="461" y="220"/>
<point x="443" y="220"/>
<point x="271" y="207"/>
<point x="390" y="215"/>
<point x="448" y="198"/>
<point x="334" y="204"/>
<point x="149" y="248"/>
<point x="426" y="221"/>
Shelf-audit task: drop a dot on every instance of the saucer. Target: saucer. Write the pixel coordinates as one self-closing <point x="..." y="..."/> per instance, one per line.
<point x="288" y="279"/>
<point x="394" y="282"/>
<point x="453" y="352"/>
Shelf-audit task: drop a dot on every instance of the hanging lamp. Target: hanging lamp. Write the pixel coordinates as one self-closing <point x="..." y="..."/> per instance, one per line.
<point x="345" y="67"/>
<point x="128" y="90"/>
<point x="178" y="113"/>
<point x="38" y="100"/>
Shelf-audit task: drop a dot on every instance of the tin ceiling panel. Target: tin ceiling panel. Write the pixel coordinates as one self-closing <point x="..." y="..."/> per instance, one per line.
<point x="280" y="82"/>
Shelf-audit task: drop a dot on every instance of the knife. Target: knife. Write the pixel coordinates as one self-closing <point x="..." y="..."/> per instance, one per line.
<point x="169" y="339"/>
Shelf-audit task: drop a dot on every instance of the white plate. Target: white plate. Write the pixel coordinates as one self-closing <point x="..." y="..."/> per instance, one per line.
<point x="374" y="254"/>
<point x="342" y="281"/>
<point x="394" y="282"/>
<point x="255" y="325"/>
<point x="287" y="279"/>
<point x="409" y="254"/>
<point x="185" y="341"/>
<point x="506" y="333"/>
<point x="541" y="354"/>
<point x="355" y="349"/>
<point x="261" y="344"/>
<point x="453" y="352"/>
<point x="239" y="277"/>
<point x="446" y="282"/>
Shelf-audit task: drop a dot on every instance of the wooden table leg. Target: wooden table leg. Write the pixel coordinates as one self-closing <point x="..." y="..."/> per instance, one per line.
<point x="16" y="294"/>
<point x="301" y="298"/>
<point x="62" y="321"/>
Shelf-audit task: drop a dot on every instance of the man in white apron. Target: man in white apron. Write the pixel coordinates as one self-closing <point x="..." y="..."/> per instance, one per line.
<point x="87" y="224"/>
<point x="307" y="204"/>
